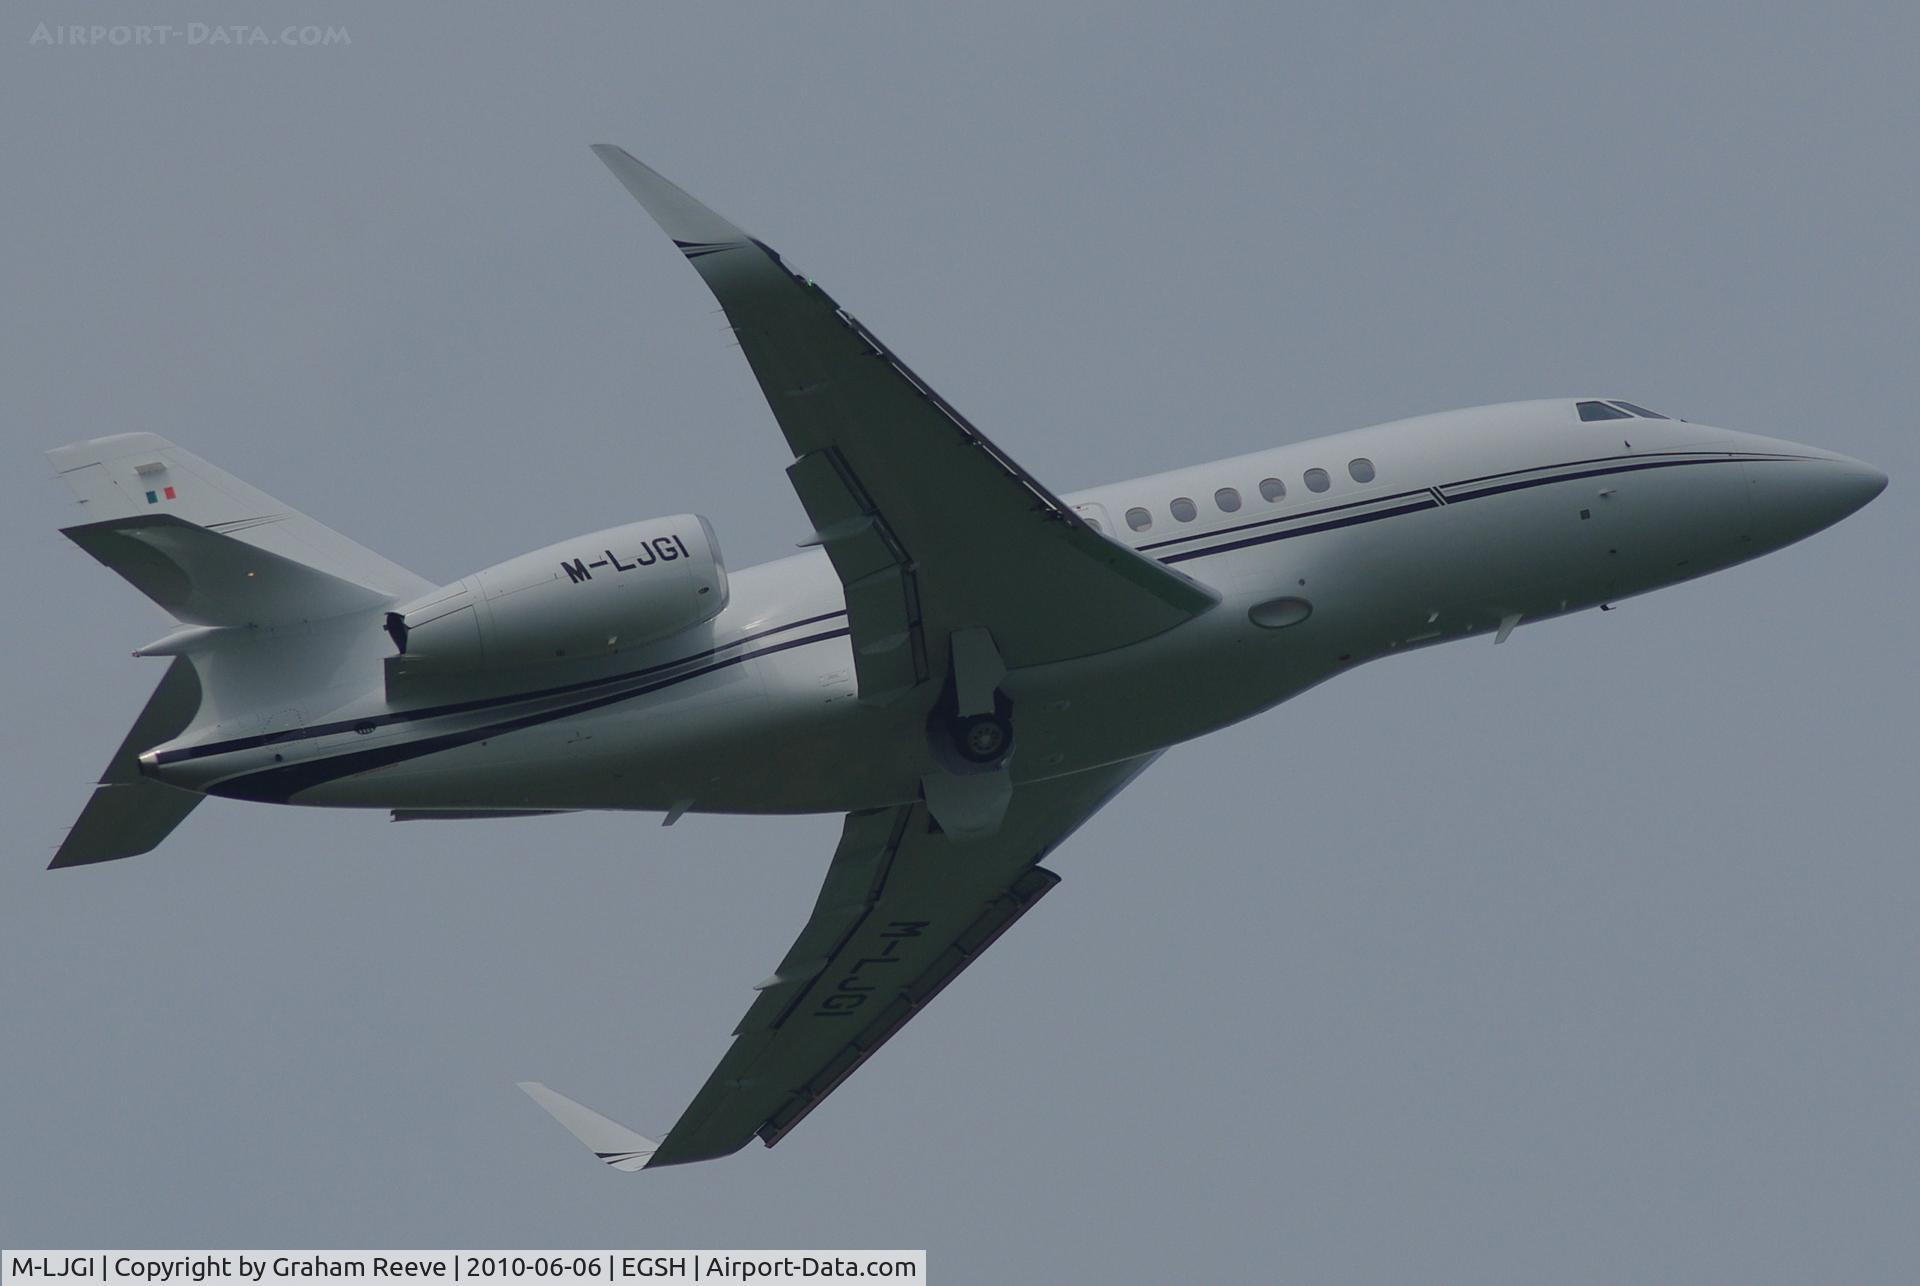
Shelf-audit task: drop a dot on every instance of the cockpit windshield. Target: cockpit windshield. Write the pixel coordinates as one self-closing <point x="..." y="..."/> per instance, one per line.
<point x="1615" y="410"/>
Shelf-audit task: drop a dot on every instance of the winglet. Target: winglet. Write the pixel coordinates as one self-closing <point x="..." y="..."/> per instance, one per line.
<point x="696" y="229"/>
<point x="611" y="1141"/>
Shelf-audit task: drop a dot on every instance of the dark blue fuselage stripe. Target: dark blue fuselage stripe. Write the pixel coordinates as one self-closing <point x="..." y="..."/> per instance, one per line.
<point x="479" y="703"/>
<point x="1523" y="483"/>
<point x="277" y="785"/>
<point x="1678" y="457"/>
<point x="1425" y="501"/>
<point x="1270" y="522"/>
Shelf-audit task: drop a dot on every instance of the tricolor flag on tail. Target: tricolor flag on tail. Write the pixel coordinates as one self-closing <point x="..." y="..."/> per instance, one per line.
<point x="165" y="493"/>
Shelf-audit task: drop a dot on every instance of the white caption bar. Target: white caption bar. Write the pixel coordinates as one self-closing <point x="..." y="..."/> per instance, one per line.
<point x="500" y="1267"/>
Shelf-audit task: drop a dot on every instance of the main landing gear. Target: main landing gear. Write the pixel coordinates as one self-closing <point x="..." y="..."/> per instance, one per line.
<point x="983" y="739"/>
<point x="970" y="732"/>
<point x="971" y="725"/>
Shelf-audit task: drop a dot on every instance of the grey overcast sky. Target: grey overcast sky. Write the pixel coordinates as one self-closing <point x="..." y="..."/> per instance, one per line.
<point x="1592" y="958"/>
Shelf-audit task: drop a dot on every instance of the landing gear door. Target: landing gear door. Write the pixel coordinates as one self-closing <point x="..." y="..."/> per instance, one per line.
<point x="1096" y="516"/>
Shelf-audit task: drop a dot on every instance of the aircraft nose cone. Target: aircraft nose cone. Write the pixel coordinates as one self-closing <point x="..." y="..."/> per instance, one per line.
<point x="1869" y="482"/>
<point x="1792" y="500"/>
<point x="1838" y="486"/>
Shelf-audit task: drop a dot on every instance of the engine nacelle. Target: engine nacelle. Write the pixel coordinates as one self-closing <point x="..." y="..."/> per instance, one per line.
<point x="591" y="596"/>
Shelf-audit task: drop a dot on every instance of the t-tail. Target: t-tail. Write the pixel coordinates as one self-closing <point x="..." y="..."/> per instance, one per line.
<point x="232" y="566"/>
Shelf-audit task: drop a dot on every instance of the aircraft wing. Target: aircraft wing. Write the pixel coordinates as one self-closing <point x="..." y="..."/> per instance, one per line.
<point x="930" y="526"/>
<point x="902" y="911"/>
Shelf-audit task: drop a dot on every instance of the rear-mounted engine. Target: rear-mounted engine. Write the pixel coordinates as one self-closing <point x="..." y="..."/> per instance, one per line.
<point x="587" y="597"/>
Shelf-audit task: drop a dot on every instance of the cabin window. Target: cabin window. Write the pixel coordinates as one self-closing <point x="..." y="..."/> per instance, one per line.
<point x="1228" y="499"/>
<point x="1360" y="469"/>
<point x="1183" y="509"/>
<point x="1591" y="411"/>
<point x="1272" y="490"/>
<point x="1139" y="519"/>
<point x="1317" y="480"/>
<point x="1640" y="411"/>
<point x="1094" y="523"/>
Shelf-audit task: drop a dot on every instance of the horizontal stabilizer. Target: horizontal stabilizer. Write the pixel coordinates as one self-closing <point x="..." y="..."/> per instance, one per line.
<point x="130" y="814"/>
<point x="124" y="821"/>
<point x="205" y="578"/>
<point x="611" y="1141"/>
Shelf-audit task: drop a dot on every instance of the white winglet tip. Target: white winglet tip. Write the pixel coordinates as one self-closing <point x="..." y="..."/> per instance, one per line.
<point x="695" y="228"/>
<point x="612" y="1142"/>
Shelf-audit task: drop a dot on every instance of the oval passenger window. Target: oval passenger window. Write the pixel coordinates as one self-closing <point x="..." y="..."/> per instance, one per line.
<point x="1317" y="480"/>
<point x="1227" y="498"/>
<point x="1183" y="509"/>
<point x="1272" y="490"/>
<point x="1139" y="519"/>
<point x="1360" y="469"/>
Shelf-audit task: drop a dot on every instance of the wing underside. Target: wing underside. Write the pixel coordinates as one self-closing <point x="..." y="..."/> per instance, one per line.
<point x="903" y="911"/>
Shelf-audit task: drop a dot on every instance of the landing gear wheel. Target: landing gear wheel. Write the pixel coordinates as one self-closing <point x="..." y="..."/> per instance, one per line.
<point x="982" y="738"/>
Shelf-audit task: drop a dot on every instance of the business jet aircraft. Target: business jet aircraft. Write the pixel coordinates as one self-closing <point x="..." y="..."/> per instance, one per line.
<point x="964" y="663"/>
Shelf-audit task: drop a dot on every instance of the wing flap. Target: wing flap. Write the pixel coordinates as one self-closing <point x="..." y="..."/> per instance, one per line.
<point x="889" y="650"/>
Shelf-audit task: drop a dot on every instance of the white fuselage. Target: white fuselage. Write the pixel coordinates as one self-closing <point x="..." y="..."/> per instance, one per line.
<point x="1451" y="525"/>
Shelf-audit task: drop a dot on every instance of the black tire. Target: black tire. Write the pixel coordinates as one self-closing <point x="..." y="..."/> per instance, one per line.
<point x="983" y="738"/>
